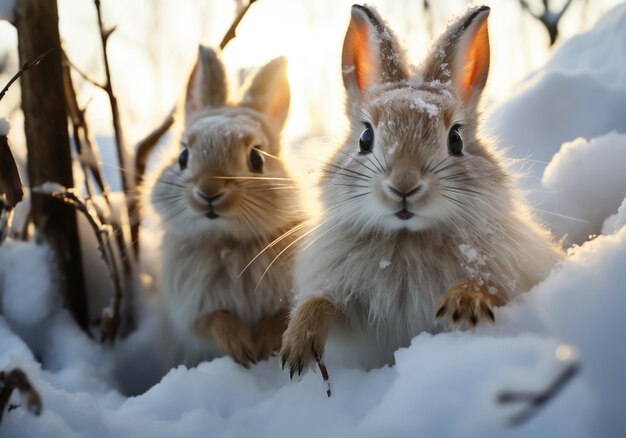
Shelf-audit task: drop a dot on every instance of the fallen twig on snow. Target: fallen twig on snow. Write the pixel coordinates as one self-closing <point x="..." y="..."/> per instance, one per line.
<point x="537" y="400"/>
<point x="17" y="379"/>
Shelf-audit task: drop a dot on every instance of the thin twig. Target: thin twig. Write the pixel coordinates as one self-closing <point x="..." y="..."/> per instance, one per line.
<point x="84" y="75"/>
<point x="145" y="146"/>
<point x="82" y="139"/>
<point x="231" y="33"/>
<point x="17" y="379"/>
<point x="127" y="181"/>
<point x="537" y="400"/>
<point x="27" y="65"/>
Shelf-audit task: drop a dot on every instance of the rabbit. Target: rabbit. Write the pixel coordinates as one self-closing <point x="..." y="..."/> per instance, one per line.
<point x="223" y="199"/>
<point x="422" y="228"/>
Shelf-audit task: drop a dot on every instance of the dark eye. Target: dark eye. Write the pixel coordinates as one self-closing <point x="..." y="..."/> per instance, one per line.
<point x="455" y="141"/>
<point x="183" y="158"/>
<point x="256" y="160"/>
<point x="366" y="140"/>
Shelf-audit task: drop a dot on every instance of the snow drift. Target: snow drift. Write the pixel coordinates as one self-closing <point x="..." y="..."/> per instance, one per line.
<point x="579" y="96"/>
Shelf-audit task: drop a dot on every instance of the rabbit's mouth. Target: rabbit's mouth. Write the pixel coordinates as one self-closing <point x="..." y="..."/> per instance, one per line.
<point x="404" y="214"/>
<point x="212" y="214"/>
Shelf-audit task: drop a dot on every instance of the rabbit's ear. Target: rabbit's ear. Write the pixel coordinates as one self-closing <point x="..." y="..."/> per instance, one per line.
<point x="462" y="55"/>
<point x="371" y="53"/>
<point x="268" y="92"/>
<point x="207" y="85"/>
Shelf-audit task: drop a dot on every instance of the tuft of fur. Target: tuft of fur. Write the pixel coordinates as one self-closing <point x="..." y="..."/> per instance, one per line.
<point x="385" y="275"/>
<point x="216" y="256"/>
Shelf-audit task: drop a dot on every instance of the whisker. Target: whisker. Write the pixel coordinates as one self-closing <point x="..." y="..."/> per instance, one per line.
<point x="274" y="243"/>
<point x="553" y="213"/>
<point x="456" y="163"/>
<point x="348" y="170"/>
<point x="282" y="251"/>
<point x="361" y="163"/>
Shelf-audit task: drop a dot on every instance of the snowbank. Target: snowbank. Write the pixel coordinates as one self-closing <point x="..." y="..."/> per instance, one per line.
<point x="584" y="183"/>
<point x="579" y="96"/>
<point x="444" y="385"/>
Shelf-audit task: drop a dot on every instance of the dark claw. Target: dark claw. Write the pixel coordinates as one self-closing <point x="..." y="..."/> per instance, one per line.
<point x="316" y="353"/>
<point x="490" y="314"/>
<point x="473" y="319"/>
<point x="292" y="371"/>
<point x="283" y="360"/>
<point x="250" y="358"/>
<point x="441" y="311"/>
<point x="456" y="315"/>
<point x="300" y="367"/>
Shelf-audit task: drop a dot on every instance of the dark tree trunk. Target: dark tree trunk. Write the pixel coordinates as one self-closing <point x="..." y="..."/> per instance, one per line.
<point x="47" y="139"/>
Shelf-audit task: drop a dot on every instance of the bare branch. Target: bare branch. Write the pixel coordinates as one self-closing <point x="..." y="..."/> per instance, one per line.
<point x="526" y="7"/>
<point x="127" y="181"/>
<point x="231" y="33"/>
<point x="84" y="75"/>
<point x="537" y="400"/>
<point x="145" y="146"/>
<point x="81" y="136"/>
<point x="27" y="65"/>
<point x="17" y="379"/>
<point x="564" y="9"/>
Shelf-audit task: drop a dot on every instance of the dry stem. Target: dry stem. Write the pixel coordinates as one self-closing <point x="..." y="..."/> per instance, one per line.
<point x="17" y="379"/>
<point x="111" y="322"/>
<point x="536" y="400"/>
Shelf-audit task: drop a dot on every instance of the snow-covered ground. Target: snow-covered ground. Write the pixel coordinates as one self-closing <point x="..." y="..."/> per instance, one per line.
<point x="569" y="118"/>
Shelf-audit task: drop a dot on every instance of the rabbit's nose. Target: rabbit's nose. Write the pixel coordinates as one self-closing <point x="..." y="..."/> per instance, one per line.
<point x="207" y="198"/>
<point x="404" y="193"/>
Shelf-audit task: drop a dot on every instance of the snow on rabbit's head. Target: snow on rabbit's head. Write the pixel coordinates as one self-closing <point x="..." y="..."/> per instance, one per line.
<point x="412" y="159"/>
<point x="228" y="178"/>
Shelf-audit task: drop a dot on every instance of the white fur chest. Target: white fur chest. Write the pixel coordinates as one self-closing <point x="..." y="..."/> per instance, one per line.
<point x="386" y="289"/>
<point x="200" y="277"/>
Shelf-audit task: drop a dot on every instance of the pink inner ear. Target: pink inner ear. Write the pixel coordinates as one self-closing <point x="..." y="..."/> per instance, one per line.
<point x="476" y="63"/>
<point x="359" y="54"/>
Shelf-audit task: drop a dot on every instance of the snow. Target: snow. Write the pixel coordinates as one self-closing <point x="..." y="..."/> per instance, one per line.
<point x="579" y="172"/>
<point x="419" y="105"/>
<point x="49" y="187"/>
<point x="27" y="285"/>
<point x="565" y="127"/>
<point x="444" y="377"/>
<point x="615" y="221"/>
<point x="384" y="264"/>
<point x="567" y="115"/>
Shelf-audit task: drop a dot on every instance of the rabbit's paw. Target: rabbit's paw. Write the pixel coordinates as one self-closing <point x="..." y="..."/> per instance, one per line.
<point x="470" y="300"/>
<point x="232" y="337"/>
<point x="303" y="341"/>
<point x="268" y="337"/>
